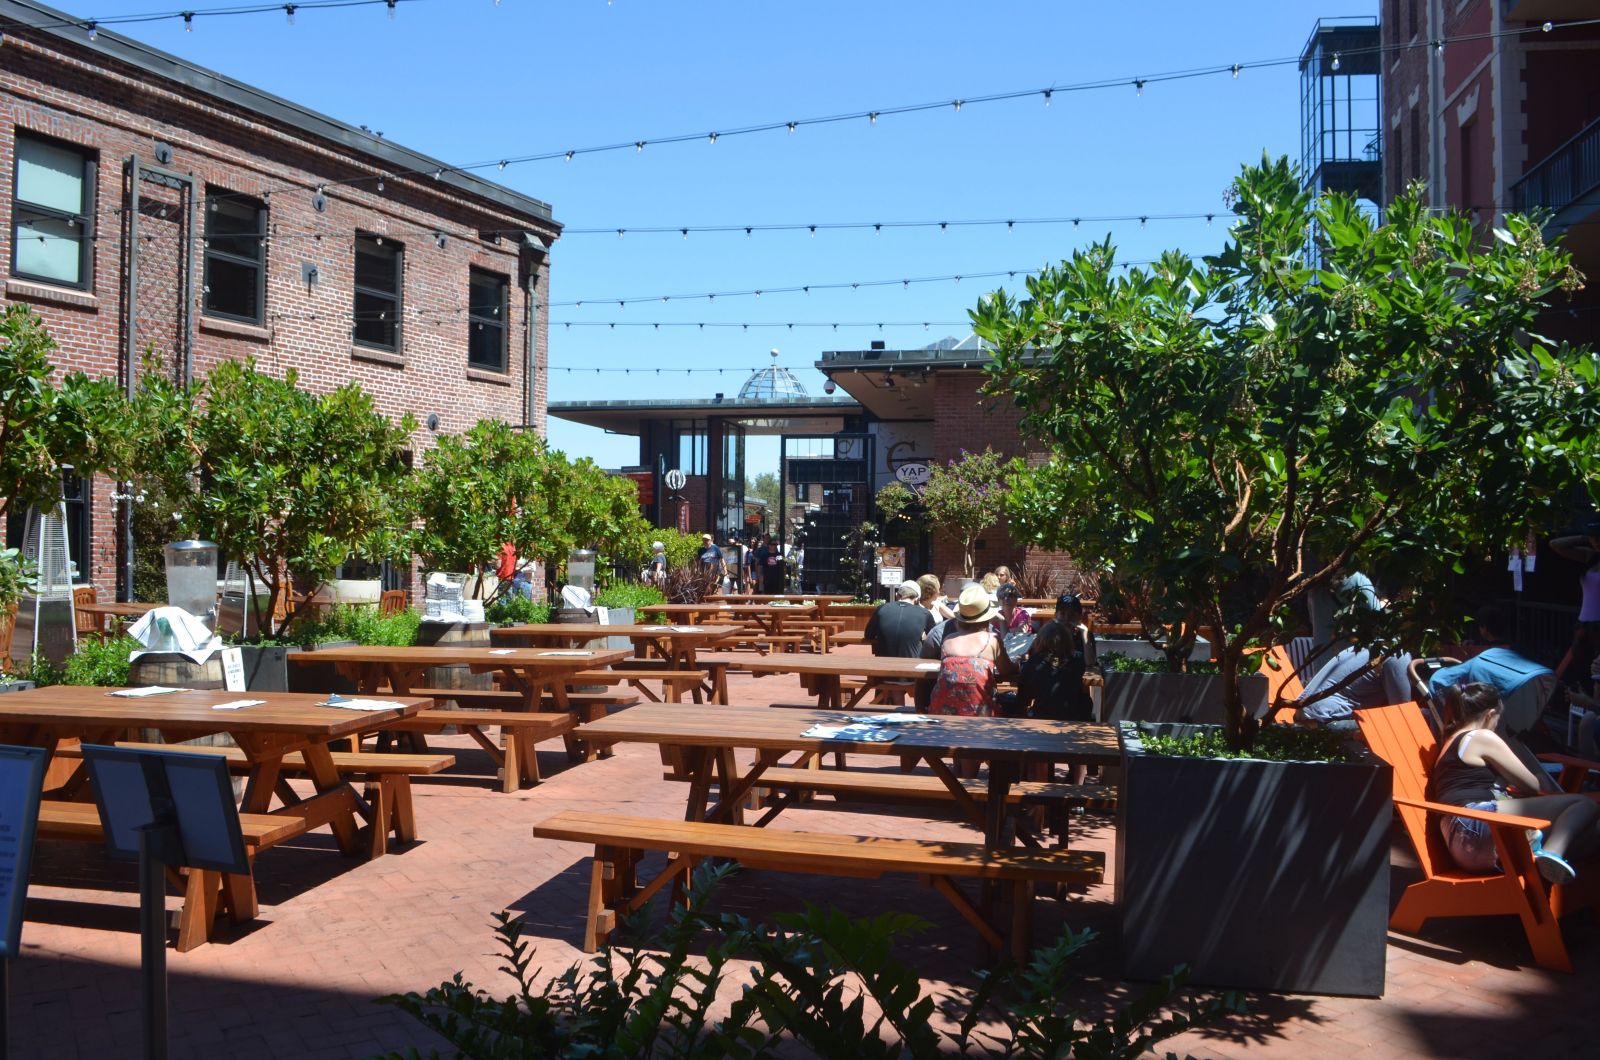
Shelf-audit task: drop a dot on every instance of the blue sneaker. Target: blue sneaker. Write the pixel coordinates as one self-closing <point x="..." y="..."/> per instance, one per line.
<point x="1535" y="841"/>
<point x="1554" y="867"/>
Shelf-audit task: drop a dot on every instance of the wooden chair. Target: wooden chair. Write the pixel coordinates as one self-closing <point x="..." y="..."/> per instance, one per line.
<point x="1400" y="735"/>
<point x="86" y="625"/>
<point x="1283" y="683"/>
<point x="391" y="602"/>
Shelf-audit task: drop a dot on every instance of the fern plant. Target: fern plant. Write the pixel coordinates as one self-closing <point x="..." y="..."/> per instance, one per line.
<point x="812" y="975"/>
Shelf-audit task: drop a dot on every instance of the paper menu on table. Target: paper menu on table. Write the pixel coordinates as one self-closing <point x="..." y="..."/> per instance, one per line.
<point x="569" y="653"/>
<point x="141" y="693"/>
<point x="361" y="704"/>
<point x="853" y="733"/>
<point x="502" y="651"/>
<point x="236" y="704"/>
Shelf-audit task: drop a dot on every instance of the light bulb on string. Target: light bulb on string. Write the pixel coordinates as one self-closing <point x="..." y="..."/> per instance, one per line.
<point x="1047" y="94"/>
<point x="391" y="10"/>
<point x="380" y="183"/>
<point x="1138" y="87"/>
<point x="288" y="12"/>
<point x="188" y="21"/>
<point x="793" y="126"/>
<point x="713" y="137"/>
<point x="872" y="117"/>
<point x="502" y="164"/>
<point x="638" y="147"/>
<point x="92" y="29"/>
<point x="1547" y="27"/>
<point x="1335" y="64"/>
<point x="569" y="156"/>
<point x="956" y="103"/>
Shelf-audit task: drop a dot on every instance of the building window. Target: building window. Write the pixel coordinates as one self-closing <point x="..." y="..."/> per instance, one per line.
<point x="1414" y="144"/>
<point x="75" y="492"/>
<point x="380" y="265"/>
<point x="487" y="310"/>
<point x="52" y="209"/>
<point x="236" y="232"/>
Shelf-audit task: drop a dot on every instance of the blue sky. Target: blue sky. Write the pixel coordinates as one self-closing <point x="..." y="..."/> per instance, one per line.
<point x="469" y="80"/>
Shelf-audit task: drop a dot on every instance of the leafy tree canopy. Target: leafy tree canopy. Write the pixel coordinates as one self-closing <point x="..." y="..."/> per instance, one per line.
<point x="1244" y="430"/>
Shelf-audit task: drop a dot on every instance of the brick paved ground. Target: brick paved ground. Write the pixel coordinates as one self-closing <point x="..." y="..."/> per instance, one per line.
<point x="335" y="933"/>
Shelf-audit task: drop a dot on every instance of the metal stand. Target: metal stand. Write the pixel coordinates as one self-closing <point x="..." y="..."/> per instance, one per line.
<point x="155" y="839"/>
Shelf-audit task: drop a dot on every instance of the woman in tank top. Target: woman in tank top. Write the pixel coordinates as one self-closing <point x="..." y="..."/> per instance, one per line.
<point x="1475" y="769"/>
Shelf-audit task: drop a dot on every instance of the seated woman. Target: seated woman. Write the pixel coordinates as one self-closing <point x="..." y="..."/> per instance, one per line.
<point x="1012" y="618"/>
<point x="933" y="598"/>
<point x="1479" y="770"/>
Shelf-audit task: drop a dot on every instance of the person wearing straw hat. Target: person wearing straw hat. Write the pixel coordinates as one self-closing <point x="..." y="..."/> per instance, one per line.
<point x="971" y="658"/>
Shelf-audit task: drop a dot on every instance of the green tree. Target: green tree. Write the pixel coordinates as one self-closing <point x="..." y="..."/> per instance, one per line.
<point x="45" y="426"/>
<point x="1244" y="430"/>
<point x="497" y="484"/>
<point x="963" y="498"/>
<point x="765" y="487"/>
<point x="286" y="482"/>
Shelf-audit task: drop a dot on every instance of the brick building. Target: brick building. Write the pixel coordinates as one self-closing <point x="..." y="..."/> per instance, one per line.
<point x="155" y="204"/>
<point x="1497" y="113"/>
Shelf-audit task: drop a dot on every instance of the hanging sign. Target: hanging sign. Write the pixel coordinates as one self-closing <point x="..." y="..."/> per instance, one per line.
<point x="21" y="777"/>
<point x="913" y="474"/>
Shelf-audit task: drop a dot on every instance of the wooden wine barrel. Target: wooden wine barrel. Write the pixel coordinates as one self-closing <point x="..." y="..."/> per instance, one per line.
<point x="461" y="635"/>
<point x="578" y="616"/>
<point x="176" y="670"/>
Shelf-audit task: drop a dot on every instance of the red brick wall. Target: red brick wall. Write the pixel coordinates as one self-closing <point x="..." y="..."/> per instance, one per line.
<point x="965" y="420"/>
<point x="79" y="96"/>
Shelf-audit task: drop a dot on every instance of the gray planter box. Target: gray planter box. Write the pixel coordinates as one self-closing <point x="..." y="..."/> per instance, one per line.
<point x="1194" y="698"/>
<point x="1139" y="648"/>
<point x="619" y="616"/>
<point x="266" y="669"/>
<point x="15" y="686"/>
<point x="1258" y="875"/>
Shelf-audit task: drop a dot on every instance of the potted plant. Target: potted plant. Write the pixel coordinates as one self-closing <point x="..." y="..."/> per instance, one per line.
<point x="1248" y="429"/>
<point x="16" y="580"/>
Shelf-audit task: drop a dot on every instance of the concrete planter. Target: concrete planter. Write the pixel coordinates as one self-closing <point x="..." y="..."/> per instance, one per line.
<point x="1194" y="698"/>
<point x="1259" y="875"/>
<point x="15" y="686"/>
<point x="618" y="616"/>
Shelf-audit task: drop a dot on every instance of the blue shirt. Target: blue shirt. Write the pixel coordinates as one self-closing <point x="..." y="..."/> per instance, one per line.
<point x="1501" y="667"/>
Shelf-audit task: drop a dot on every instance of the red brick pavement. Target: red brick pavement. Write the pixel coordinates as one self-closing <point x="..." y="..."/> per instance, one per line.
<point x="335" y="933"/>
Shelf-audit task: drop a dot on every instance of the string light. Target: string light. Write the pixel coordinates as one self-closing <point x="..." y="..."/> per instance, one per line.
<point x="1138" y="87"/>
<point x="188" y="21"/>
<point x="1235" y="68"/>
<point x="92" y="29"/>
<point x="1047" y="94"/>
<point x="288" y="10"/>
<point x="1335" y="63"/>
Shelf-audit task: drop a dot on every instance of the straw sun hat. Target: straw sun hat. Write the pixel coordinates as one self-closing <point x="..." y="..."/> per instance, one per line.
<point x="975" y="606"/>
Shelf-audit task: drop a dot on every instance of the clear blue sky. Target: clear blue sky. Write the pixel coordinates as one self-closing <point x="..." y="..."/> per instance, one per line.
<point x="467" y="80"/>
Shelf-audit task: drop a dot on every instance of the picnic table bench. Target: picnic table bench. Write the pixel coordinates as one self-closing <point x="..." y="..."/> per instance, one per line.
<point x="388" y="779"/>
<point x="206" y="892"/>
<point x="516" y="763"/>
<point x="620" y="840"/>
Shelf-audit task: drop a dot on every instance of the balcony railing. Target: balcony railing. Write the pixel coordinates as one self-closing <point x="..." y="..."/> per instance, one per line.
<point x="1571" y="172"/>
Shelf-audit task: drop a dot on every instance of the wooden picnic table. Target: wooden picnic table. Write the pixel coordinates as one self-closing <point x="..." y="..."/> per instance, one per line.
<point x="285" y="723"/>
<point x="111" y="613"/>
<point x="675" y="644"/>
<point x="822" y="600"/>
<point x="708" y="736"/>
<point x="535" y="672"/>
<point x="823" y="673"/>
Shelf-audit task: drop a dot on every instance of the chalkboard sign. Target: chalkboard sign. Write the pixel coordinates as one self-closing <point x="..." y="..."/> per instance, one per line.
<point x="21" y="777"/>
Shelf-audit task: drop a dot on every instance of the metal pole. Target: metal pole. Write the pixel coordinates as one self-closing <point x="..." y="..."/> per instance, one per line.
<point x="130" y="302"/>
<point x="153" y="940"/>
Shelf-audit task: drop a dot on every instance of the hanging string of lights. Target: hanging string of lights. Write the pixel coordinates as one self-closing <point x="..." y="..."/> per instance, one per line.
<point x="1045" y="93"/>
<point x="92" y="26"/>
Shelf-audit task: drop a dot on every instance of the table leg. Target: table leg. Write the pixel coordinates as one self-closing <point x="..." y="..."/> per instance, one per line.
<point x="829" y="691"/>
<point x="325" y="775"/>
<point x="697" y="763"/>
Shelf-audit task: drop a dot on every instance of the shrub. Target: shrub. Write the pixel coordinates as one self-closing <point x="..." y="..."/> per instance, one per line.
<point x="360" y="623"/>
<point x="1277" y="743"/>
<point x="804" y="996"/>
<point x="100" y="662"/>
<point x="516" y="611"/>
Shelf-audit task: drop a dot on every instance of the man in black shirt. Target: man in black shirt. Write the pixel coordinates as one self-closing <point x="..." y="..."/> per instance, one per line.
<point x="897" y="628"/>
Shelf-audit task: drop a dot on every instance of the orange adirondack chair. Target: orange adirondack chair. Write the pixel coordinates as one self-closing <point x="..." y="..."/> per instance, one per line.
<point x="1284" y="682"/>
<point x="1400" y="736"/>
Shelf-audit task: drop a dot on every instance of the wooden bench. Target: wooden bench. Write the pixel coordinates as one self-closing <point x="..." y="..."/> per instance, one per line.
<point x="517" y="764"/>
<point x="205" y="891"/>
<point x="511" y="699"/>
<point x="619" y="841"/>
<point x="388" y="778"/>
<point x="674" y="683"/>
